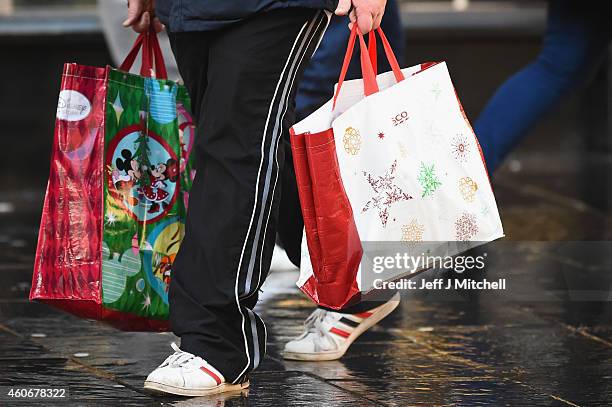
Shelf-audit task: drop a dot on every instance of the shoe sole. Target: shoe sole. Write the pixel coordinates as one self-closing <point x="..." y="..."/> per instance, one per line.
<point x="180" y="391"/>
<point x="381" y="313"/>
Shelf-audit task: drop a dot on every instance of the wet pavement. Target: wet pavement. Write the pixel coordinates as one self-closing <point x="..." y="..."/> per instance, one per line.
<point x="546" y="340"/>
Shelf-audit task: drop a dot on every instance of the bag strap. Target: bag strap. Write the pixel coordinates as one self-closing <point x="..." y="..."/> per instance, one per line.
<point x="369" y="78"/>
<point x="153" y="64"/>
<point x="372" y="51"/>
<point x="160" y="64"/>
<point x="129" y="60"/>
<point x="368" y="61"/>
<point x="397" y="71"/>
<point x="146" y="68"/>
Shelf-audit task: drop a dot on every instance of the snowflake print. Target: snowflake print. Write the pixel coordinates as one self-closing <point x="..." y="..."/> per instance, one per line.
<point x="460" y="148"/>
<point x="111" y="218"/>
<point x="351" y="141"/>
<point x="147" y="302"/>
<point x="381" y="135"/>
<point x="413" y="232"/>
<point x="428" y="179"/>
<point x="466" y="227"/>
<point x="468" y="189"/>
<point x="386" y="193"/>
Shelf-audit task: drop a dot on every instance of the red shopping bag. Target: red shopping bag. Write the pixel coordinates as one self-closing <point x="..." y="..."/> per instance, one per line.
<point x="333" y="241"/>
<point x="111" y="227"/>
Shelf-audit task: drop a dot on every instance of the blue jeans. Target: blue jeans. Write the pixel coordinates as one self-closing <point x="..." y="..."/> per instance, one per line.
<point x="577" y="35"/>
<point x="317" y="84"/>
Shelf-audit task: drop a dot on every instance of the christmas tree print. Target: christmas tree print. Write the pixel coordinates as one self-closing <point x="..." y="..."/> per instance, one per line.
<point x="386" y="193"/>
<point x="143" y="150"/>
<point x="428" y="179"/>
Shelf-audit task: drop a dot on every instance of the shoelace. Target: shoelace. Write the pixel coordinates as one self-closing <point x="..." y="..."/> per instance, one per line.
<point x="314" y="325"/>
<point x="179" y="357"/>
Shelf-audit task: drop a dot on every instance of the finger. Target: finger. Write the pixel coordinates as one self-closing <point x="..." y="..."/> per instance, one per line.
<point x="377" y="21"/>
<point x="159" y="27"/>
<point x="343" y="7"/>
<point x="364" y="21"/>
<point x="353" y="16"/>
<point x="143" y="24"/>
<point x="135" y="9"/>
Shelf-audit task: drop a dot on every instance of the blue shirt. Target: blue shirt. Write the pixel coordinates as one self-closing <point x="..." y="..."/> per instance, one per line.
<point x="206" y="15"/>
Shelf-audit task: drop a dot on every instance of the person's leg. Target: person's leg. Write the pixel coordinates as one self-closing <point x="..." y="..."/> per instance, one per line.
<point x="575" y="36"/>
<point x="315" y="89"/>
<point x="252" y="70"/>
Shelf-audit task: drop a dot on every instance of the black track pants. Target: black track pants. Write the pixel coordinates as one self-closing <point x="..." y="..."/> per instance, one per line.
<point x="242" y="81"/>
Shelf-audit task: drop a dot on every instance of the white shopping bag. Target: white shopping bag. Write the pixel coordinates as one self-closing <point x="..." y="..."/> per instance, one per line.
<point x="410" y="165"/>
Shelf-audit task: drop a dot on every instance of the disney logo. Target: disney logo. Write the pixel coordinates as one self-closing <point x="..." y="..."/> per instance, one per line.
<point x="72" y="106"/>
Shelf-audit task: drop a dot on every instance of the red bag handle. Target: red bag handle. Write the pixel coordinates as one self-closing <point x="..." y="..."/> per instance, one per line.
<point x="397" y="71"/>
<point x="127" y="63"/>
<point x="160" y="64"/>
<point x="146" y="68"/>
<point x="372" y="51"/>
<point x="368" y="61"/>
<point x="151" y="53"/>
<point x="369" y="78"/>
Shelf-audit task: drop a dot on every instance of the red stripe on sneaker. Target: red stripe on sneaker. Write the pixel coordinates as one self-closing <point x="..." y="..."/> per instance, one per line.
<point x="364" y="314"/>
<point x="211" y="374"/>
<point x="340" y="332"/>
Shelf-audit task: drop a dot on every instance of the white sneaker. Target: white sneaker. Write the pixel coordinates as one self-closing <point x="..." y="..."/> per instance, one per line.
<point x="328" y="334"/>
<point x="185" y="374"/>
